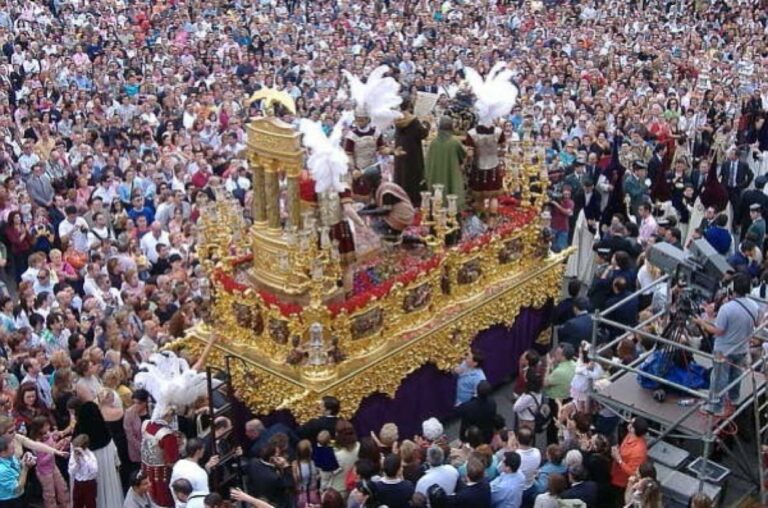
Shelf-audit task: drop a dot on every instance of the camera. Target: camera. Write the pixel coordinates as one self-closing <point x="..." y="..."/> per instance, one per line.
<point x="555" y="194"/>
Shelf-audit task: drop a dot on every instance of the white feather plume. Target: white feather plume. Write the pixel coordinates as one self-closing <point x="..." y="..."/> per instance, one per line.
<point x="379" y="96"/>
<point x="495" y="96"/>
<point x="170" y="381"/>
<point x="327" y="161"/>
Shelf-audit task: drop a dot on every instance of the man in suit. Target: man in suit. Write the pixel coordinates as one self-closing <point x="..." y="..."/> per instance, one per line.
<point x="39" y="187"/>
<point x="627" y="313"/>
<point x="591" y="170"/>
<point x="736" y="176"/>
<point x="656" y="162"/>
<point x="582" y="488"/>
<point x="326" y="421"/>
<point x="579" y="327"/>
<point x="590" y="201"/>
<point x="258" y="436"/>
<point x="479" y="411"/>
<point x="751" y="197"/>
<point x="475" y="492"/>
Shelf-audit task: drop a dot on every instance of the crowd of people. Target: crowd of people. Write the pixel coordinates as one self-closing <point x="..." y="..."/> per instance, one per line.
<point x="119" y="119"/>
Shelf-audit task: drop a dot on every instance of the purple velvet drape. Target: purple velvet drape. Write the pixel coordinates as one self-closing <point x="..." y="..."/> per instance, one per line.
<point x="429" y="392"/>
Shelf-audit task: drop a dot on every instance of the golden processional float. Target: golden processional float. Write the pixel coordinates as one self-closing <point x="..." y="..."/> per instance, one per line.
<point x="281" y="304"/>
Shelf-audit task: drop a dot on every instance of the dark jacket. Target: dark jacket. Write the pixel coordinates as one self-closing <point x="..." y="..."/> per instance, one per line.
<point x="748" y="198"/>
<point x="626" y="314"/>
<point x="480" y="413"/>
<point x="575" y="330"/>
<point x="312" y="428"/>
<point x="744" y="175"/>
<point x="585" y="491"/>
<point x="394" y="495"/>
<point x="477" y="495"/>
<point x="265" y="481"/>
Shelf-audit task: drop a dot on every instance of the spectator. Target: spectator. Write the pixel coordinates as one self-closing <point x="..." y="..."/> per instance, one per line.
<point x="470" y="374"/>
<point x="581" y="487"/>
<point x="326" y="421"/>
<point x="479" y="411"/>
<point x="507" y="489"/>
<point x="735" y="323"/>
<point x="627" y="457"/>
<point x="475" y="492"/>
<point x="438" y="473"/>
<point x="392" y="490"/>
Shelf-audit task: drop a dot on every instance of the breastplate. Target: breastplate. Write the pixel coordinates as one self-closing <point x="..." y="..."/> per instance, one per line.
<point x="365" y="151"/>
<point x="151" y="452"/>
<point x="486" y="150"/>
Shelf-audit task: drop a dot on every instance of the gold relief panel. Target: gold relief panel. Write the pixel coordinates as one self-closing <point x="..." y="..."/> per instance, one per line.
<point x="469" y="272"/>
<point x="418" y="297"/>
<point x="248" y="316"/>
<point x="367" y="323"/>
<point x="511" y="250"/>
<point x="279" y="331"/>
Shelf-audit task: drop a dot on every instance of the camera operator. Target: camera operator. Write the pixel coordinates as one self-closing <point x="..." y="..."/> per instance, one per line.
<point x="561" y="206"/>
<point x="74" y="229"/>
<point x="733" y="327"/>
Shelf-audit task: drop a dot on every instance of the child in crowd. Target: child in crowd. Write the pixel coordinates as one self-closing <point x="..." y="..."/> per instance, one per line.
<point x="325" y="459"/>
<point x="83" y="470"/>
<point x="55" y="492"/>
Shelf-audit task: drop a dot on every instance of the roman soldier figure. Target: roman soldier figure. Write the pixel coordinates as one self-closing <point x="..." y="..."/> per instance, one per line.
<point x="172" y="384"/>
<point x="486" y="176"/>
<point x="495" y="98"/>
<point x="160" y="449"/>
<point x="375" y="103"/>
<point x="363" y="144"/>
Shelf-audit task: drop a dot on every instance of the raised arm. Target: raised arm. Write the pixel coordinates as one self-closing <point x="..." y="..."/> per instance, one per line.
<point x="200" y="363"/>
<point x="35" y="446"/>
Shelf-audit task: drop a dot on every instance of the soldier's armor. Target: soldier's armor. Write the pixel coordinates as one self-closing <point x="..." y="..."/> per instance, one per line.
<point x="486" y="148"/>
<point x="365" y="149"/>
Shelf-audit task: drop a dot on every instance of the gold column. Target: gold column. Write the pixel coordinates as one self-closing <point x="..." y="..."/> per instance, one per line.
<point x="294" y="204"/>
<point x="259" y="195"/>
<point x="272" y="197"/>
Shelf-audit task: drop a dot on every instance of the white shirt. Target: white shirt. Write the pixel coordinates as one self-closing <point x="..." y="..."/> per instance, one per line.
<point x="193" y="473"/>
<point x="446" y="476"/>
<point x="526" y="405"/>
<point x="83" y="466"/>
<point x="530" y="460"/>
<point x="149" y="245"/>
<point x="78" y="238"/>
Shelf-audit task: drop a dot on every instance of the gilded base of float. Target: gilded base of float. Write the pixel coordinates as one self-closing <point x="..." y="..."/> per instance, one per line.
<point x="265" y="385"/>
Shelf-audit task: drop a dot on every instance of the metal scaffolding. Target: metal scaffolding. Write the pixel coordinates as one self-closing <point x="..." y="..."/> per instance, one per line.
<point x="687" y="420"/>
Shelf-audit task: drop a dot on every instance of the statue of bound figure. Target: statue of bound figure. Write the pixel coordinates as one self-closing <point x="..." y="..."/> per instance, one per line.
<point x="461" y="109"/>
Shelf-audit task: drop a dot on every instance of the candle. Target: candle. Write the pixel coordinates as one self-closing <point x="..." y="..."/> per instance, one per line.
<point x="437" y="204"/>
<point x="438" y="192"/>
<point x="304" y="241"/>
<point x="425" y="203"/>
<point x="325" y="238"/>
<point x="452" y="207"/>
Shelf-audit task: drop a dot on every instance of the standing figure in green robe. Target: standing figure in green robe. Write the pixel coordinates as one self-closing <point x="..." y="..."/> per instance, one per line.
<point x="444" y="161"/>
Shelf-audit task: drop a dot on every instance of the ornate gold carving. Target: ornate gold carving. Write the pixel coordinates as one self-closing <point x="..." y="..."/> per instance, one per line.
<point x="442" y="339"/>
